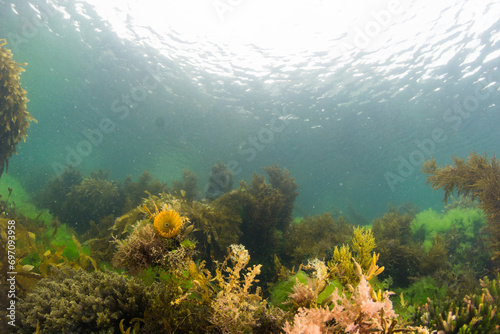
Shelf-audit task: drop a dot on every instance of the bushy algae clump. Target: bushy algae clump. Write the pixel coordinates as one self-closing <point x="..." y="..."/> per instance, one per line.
<point x="185" y="268"/>
<point x="14" y="117"/>
<point x="477" y="177"/>
<point x="429" y="222"/>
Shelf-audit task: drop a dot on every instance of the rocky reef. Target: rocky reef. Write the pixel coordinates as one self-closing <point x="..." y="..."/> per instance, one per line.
<point x="239" y="262"/>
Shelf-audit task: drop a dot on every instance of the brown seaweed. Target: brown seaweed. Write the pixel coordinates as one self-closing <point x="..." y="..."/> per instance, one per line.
<point x="477" y="177"/>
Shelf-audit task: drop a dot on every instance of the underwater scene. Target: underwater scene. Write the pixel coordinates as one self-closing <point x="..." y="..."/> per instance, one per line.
<point x="236" y="166"/>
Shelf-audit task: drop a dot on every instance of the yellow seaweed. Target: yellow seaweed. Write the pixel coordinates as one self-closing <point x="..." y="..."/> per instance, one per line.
<point x="14" y="117"/>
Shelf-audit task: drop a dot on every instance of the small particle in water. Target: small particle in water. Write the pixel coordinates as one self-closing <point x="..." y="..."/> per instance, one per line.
<point x="160" y="122"/>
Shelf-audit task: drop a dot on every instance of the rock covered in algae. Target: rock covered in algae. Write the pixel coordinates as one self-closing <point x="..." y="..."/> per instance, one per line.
<point x="14" y="118"/>
<point x="81" y="302"/>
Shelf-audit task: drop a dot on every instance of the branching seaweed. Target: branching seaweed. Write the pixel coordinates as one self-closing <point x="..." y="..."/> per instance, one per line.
<point x="477" y="177"/>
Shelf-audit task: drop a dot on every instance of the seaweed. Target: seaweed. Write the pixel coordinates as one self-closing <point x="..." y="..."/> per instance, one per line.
<point x="467" y="221"/>
<point x="188" y="187"/>
<point x="213" y="227"/>
<point x="144" y="249"/>
<point x="56" y="258"/>
<point x="219" y="182"/>
<point x="361" y="311"/>
<point x="236" y="308"/>
<point x="464" y="238"/>
<point x="75" y="301"/>
<point x="91" y="200"/>
<point x="259" y="205"/>
<point x="313" y="237"/>
<point x="77" y="200"/>
<point x="14" y="117"/>
<point x="343" y="262"/>
<point x="477" y="177"/>
<point x="132" y="193"/>
<point x="436" y="258"/>
<point x="474" y="314"/>
<point x="265" y="211"/>
<point x="419" y="293"/>
<point x="399" y="254"/>
<point x="175" y="305"/>
<point x="16" y="244"/>
<point x="312" y="292"/>
<point x="217" y="227"/>
<point x="282" y="181"/>
<point x="53" y="195"/>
